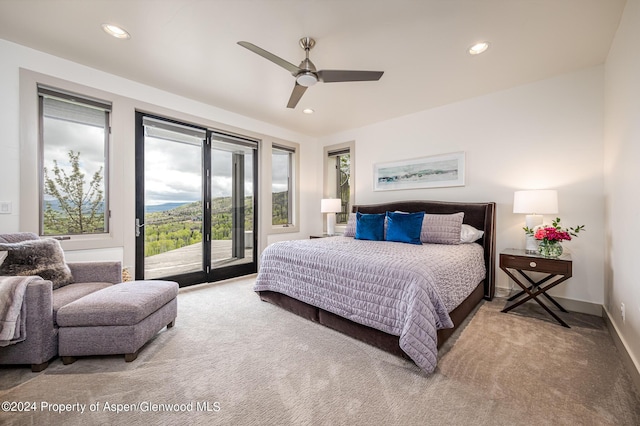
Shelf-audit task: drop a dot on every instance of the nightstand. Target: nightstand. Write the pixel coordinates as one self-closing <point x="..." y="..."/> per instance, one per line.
<point x="556" y="270"/>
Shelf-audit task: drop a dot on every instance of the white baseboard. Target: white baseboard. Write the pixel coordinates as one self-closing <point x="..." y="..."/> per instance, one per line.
<point x="627" y="360"/>
<point x="580" y="306"/>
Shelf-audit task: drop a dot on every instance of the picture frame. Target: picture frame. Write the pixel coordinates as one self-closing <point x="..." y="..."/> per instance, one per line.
<point x="435" y="171"/>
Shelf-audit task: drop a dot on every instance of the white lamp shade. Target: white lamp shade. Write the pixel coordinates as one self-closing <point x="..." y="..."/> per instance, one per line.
<point x="536" y="202"/>
<point x="331" y="205"/>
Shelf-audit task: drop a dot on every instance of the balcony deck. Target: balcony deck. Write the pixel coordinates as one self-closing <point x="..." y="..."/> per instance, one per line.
<point x="189" y="259"/>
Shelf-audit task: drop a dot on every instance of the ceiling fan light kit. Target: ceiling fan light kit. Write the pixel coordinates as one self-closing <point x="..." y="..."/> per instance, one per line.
<point x="306" y="74"/>
<point x="306" y="79"/>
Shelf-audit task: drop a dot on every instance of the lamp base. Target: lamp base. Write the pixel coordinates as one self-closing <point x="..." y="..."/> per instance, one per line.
<point x="331" y="223"/>
<point x="531" y="245"/>
<point x="531" y="221"/>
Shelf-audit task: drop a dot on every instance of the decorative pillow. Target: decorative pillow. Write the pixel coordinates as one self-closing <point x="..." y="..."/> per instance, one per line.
<point x="44" y="258"/>
<point x="404" y="227"/>
<point x="370" y="226"/>
<point x="441" y="228"/>
<point x="350" y="230"/>
<point x="469" y="234"/>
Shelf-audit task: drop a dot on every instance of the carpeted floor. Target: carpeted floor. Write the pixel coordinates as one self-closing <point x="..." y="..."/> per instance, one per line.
<point x="234" y="360"/>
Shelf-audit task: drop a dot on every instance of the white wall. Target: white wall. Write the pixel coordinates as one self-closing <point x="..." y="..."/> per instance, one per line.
<point x="134" y="95"/>
<point x="622" y="176"/>
<point x="542" y="135"/>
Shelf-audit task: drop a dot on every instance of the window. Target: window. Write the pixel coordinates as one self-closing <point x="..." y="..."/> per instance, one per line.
<point x="339" y="180"/>
<point x="281" y="185"/>
<point x="74" y="141"/>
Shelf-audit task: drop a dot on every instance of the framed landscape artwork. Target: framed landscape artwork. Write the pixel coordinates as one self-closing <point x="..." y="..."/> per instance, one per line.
<point x="427" y="172"/>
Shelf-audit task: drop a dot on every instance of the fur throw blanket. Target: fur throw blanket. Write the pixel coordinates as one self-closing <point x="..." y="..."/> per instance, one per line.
<point x="13" y="312"/>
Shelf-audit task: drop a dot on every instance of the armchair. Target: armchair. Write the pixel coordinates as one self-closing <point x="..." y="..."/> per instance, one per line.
<point x="42" y="304"/>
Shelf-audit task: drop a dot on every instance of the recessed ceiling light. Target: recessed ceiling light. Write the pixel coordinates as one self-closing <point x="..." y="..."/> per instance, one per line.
<point x="478" y="48"/>
<point x="115" y="31"/>
<point x="308" y="111"/>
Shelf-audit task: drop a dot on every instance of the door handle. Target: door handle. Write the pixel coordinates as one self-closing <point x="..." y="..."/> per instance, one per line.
<point x="138" y="226"/>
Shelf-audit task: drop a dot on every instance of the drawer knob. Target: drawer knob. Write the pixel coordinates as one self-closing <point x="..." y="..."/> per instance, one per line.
<point x="533" y="264"/>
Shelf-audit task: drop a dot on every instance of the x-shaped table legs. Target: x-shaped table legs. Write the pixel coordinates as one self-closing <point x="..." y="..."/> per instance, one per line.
<point x="535" y="289"/>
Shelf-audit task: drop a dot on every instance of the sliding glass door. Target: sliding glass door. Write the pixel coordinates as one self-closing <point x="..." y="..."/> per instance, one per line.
<point x="172" y="203"/>
<point x="195" y="205"/>
<point x="232" y="210"/>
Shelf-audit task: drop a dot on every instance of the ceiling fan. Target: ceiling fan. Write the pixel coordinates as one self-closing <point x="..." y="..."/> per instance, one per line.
<point x="306" y="74"/>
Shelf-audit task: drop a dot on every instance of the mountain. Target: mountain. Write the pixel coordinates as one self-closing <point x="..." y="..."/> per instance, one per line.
<point x="162" y="207"/>
<point x="55" y="205"/>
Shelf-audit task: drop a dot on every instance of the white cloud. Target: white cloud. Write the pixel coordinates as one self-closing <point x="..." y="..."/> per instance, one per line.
<point x="173" y="172"/>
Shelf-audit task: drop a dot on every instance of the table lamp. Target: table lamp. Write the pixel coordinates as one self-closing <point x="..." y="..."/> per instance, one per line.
<point x="331" y="206"/>
<point x="534" y="204"/>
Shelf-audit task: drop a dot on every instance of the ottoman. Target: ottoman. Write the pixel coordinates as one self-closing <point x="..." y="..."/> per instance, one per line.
<point x="116" y="320"/>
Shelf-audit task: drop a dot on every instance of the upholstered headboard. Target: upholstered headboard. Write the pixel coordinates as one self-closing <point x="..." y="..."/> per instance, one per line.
<point x="479" y="215"/>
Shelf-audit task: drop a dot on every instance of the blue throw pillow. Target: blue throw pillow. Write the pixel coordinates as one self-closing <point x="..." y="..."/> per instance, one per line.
<point x="404" y="227"/>
<point x="370" y="226"/>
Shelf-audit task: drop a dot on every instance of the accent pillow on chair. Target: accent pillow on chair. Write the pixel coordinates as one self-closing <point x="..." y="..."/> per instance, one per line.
<point x="42" y="257"/>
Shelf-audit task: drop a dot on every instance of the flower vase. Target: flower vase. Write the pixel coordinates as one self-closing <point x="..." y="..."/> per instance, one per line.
<point x="551" y="249"/>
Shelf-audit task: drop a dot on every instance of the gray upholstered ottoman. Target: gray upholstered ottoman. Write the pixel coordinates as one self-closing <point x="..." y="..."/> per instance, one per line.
<point x="116" y="320"/>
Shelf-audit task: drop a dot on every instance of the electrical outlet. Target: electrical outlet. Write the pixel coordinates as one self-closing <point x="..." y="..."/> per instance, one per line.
<point x="5" y="207"/>
<point x="622" y="313"/>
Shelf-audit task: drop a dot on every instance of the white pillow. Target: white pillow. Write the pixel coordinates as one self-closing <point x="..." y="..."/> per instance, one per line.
<point x="469" y="234"/>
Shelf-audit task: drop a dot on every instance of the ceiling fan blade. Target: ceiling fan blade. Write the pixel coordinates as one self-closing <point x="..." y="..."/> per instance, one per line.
<point x="336" y="76"/>
<point x="297" y="93"/>
<point x="270" y="56"/>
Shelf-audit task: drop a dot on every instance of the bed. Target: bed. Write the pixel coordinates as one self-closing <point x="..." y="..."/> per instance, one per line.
<point x="403" y="298"/>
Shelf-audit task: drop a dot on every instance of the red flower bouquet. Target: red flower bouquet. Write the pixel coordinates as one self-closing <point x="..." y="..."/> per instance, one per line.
<point x="551" y="236"/>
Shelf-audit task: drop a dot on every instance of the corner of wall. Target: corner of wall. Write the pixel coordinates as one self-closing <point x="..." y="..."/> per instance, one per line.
<point x="632" y="365"/>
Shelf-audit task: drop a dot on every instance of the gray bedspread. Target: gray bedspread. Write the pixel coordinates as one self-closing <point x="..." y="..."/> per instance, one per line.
<point x="402" y="289"/>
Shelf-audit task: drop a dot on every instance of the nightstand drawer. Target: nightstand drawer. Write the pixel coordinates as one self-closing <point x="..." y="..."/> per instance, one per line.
<point x="524" y="263"/>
